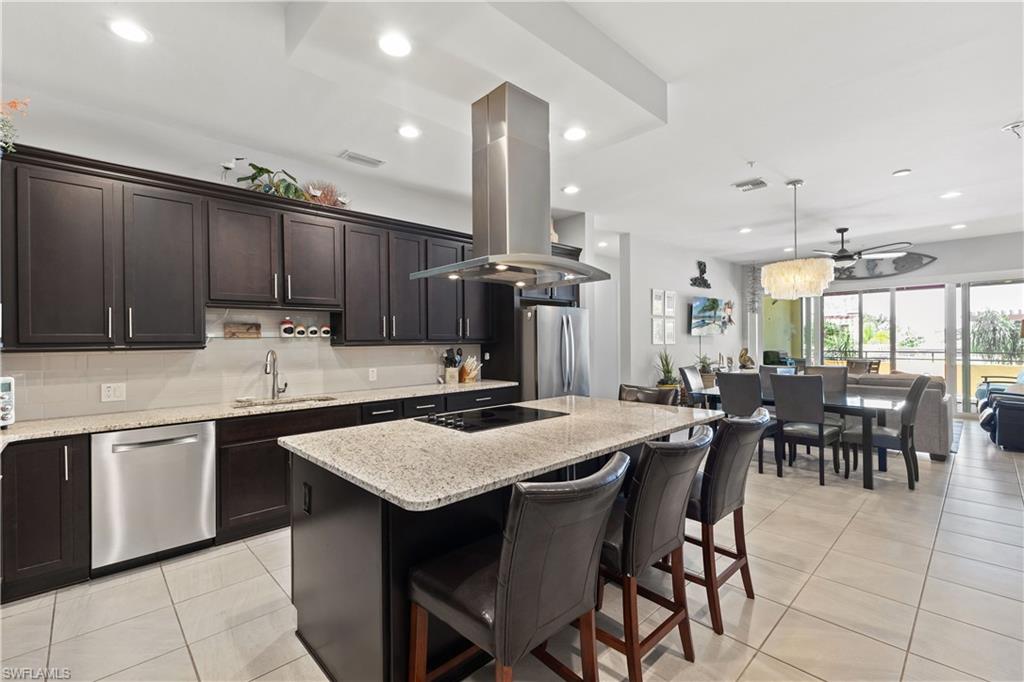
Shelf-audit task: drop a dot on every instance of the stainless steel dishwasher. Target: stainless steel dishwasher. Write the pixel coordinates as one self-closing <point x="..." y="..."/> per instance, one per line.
<point x="152" y="490"/>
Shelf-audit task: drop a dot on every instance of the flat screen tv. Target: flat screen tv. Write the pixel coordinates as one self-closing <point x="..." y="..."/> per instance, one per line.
<point x="707" y="316"/>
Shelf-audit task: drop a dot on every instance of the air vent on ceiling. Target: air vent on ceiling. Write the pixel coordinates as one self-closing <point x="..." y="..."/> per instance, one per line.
<point x="360" y="159"/>
<point x="750" y="185"/>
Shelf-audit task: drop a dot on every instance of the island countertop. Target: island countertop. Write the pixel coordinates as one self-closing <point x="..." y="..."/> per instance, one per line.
<point x="419" y="466"/>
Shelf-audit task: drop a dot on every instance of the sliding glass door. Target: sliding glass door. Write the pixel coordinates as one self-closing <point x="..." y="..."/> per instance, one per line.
<point x="995" y="336"/>
<point x="919" y="341"/>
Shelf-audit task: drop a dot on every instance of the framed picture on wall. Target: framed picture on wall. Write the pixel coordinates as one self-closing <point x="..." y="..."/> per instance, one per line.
<point x="657" y="302"/>
<point x="670" y="304"/>
<point x="658" y="331"/>
<point x="670" y="330"/>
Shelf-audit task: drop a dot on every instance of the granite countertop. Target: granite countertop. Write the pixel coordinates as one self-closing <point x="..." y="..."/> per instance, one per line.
<point x="119" y="421"/>
<point x="420" y="466"/>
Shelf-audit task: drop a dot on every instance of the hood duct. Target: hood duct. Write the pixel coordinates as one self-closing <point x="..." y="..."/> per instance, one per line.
<point x="512" y="198"/>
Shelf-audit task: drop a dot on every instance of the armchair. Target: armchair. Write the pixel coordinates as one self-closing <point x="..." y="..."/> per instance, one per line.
<point x="993" y="384"/>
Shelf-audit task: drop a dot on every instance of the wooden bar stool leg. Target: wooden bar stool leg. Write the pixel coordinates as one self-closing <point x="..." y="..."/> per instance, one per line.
<point x="600" y="593"/>
<point x="418" y="644"/>
<point x="707" y="548"/>
<point x="502" y="673"/>
<point x="631" y="627"/>
<point x="741" y="550"/>
<point x="679" y="597"/>
<point x="588" y="646"/>
<point x="760" y="456"/>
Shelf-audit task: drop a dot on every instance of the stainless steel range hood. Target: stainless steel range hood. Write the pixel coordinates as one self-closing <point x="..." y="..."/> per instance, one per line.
<point x="512" y="198"/>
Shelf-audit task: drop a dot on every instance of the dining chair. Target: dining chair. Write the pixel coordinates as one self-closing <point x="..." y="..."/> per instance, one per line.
<point x="740" y="393"/>
<point x="800" y="413"/>
<point x="648" y="394"/>
<point x="858" y="366"/>
<point x="834" y="380"/>
<point x="510" y="592"/>
<point x="891" y="438"/>
<point x="692" y="381"/>
<point x="646" y="526"/>
<point x="718" y="491"/>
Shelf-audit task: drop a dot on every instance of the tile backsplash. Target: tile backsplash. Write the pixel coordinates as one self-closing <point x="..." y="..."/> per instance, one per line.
<point x="59" y="384"/>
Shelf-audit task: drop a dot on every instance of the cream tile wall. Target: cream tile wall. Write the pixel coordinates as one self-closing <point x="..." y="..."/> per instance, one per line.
<point x="57" y="384"/>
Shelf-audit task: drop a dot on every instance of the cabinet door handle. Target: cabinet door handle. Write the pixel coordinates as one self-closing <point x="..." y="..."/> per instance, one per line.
<point x="110" y="322"/>
<point x="460" y="328"/>
<point x="484" y="399"/>
<point x="374" y="413"/>
<point x="275" y="285"/>
<point x="307" y="498"/>
<point x="393" y="326"/>
<point x="424" y="407"/>
<point x="384" y="326"/>
<point x="288" y="280"/>
<point x="67" y="474"/>
<point x="467" y="327"/>
<point x="131" y="327"/>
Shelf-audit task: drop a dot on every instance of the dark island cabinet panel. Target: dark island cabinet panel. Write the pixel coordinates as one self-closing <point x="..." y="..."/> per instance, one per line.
<point x="313" y="260"/>
<point x="67" y="241"/>
<point x="45" y="492"/>
<point x="476" y="324"/>
<point x="407" y="298"/>
<point x="366" y="284"/>
<point x="444" y="300"/>
<point x="245" y="256"/>
<point x="163" y="266"/>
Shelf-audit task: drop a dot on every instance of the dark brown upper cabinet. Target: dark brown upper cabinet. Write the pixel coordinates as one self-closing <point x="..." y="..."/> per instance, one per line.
<point x="313" y="260"/>
<point x="407" y="298"/>
<point x="245" y="253"/>
<point x="68" y="241"/>
<point x="366" y="284"/>
<point x="46" y="515"/>
<point x="163" y="267"/>
<point x="444" y="296"/>
<point x="476" y="309"/>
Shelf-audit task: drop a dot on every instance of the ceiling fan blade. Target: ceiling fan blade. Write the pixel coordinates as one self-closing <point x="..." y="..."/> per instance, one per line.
<point x="827" y="253"/>
<point x="895" y="246"/>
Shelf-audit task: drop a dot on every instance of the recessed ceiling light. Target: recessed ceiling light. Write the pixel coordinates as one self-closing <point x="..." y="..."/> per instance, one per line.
<point x="788" y="249"/>
<point x="958" y="226"/>
<point x="394" y="44"/>
<point x="745" y="230"/>
<point x="570" y="276"/>
<point x="409" y="132"/>
<point x="601" y="245"/>
<point x="574" y="134"/>
<point x="501" y="267"/>
<point x="130" y="31"/>
<point x="520" y="284"/>
<point x="453" y="276"/>
<point x="950" y="195"/>
<point x="901" y="172"/>
<point x="571" y="189"/>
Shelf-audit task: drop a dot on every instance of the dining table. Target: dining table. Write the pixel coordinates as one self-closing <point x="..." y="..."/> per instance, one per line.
<point x="869" y="410"/>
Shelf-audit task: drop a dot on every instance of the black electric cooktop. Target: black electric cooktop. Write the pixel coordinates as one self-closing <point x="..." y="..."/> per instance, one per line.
<point x="489" y="417"/>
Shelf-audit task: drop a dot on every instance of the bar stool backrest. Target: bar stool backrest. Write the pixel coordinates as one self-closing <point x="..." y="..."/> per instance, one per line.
<point x="799" y="398"/>
<point x="646" y="394"/>
<point x="725" y="473"/>
<point x="740" y="393"/>
<point x="656" y="508"/>
<point x="547" y="577"/>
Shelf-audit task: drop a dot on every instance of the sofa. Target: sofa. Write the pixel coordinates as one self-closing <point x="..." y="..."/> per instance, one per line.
<point x="933" y="431"/>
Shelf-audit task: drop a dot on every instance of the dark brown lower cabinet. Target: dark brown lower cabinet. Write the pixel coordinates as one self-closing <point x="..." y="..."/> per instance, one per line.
<point x="252" y="469"/>
<point x="45" y="492"/>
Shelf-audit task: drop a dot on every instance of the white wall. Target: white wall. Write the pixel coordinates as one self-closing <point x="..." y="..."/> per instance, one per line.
<point x="655" y="265"/>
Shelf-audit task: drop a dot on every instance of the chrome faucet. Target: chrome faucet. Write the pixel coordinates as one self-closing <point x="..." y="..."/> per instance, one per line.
<point x="270" y="367"/>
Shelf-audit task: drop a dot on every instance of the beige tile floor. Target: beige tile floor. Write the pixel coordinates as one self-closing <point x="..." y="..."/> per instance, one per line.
<point x="851" y="585"/>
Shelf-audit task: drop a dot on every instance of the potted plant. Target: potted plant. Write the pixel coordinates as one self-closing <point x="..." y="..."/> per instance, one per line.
<point x="667" y="368"/>
<point x="706" y="373"/>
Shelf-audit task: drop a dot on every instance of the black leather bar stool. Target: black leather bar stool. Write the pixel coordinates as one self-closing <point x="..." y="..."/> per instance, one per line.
<point x="645" y="527"/>
<point x="741" y="397"/>
<point x="508" y="594"/>
<point x="646" y="394"/>
<point x="718" y="491"/>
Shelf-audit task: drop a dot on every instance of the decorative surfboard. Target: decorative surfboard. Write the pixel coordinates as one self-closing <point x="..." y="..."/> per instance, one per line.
<point x="884" y="267"/>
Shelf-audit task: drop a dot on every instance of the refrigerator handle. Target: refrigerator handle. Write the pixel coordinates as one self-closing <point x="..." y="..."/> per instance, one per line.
<point x="565" y="355"/>
<point x="572" y="352"/>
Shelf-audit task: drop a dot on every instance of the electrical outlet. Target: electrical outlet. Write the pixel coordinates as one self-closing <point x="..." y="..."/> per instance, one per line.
<point x="111" y="393"/>
<point x="373" y="374"/>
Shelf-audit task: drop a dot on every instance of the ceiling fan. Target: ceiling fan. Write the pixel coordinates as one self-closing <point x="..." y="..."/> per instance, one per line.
<point x="845" y="255"/>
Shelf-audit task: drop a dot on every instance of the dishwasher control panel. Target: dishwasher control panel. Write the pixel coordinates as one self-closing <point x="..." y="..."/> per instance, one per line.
<point x="6" y="401"/>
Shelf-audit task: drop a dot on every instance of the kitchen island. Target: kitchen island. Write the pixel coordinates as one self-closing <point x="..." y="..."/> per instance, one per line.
<point x="370" y="502"/>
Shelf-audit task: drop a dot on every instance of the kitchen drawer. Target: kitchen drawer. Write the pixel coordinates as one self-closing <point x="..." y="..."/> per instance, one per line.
<point x="473" y="399"/>
<point x="417" y="407"/>
<point x="384" y="411"/>
<point x="278" y="424"/>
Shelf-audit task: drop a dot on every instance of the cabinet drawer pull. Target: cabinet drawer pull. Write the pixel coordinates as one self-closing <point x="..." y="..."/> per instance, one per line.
<point x="275" y="285"/>
<point x="377" y="412"/>
<point x="484" y="399"/>
<point x="131" y="327"/>
<point x="110" y="322"/>
<point x="425" y="407"/>
<point x="288" y="280"/>
<point x="67" y="475"/>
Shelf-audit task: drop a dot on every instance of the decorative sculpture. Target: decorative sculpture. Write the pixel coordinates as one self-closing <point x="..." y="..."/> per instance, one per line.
<point x="746" y="362"/>
<point x="700" y="281"/>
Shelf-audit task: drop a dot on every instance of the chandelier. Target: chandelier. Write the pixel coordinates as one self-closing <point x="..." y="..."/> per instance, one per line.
<point x="798" y="277"/>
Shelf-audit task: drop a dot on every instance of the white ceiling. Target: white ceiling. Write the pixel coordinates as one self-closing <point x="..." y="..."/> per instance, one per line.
<point x="677" y="97"/>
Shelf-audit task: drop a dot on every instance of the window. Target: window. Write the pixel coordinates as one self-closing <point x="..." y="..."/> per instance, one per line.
<point x="842" y="339"/>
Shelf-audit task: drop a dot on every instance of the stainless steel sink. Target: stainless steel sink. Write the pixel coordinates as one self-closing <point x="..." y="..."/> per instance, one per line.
<point x="258" y="402"/>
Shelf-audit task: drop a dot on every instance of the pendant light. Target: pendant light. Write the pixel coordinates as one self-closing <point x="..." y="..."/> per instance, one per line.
<point x="798" y="277"/>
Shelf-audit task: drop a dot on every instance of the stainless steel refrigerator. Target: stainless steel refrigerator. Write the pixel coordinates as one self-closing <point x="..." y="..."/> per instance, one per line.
<point x="556" y="351"/>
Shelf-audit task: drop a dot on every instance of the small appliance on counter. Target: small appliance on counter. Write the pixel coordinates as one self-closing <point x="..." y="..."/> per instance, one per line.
<point x="6" y="402"/>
